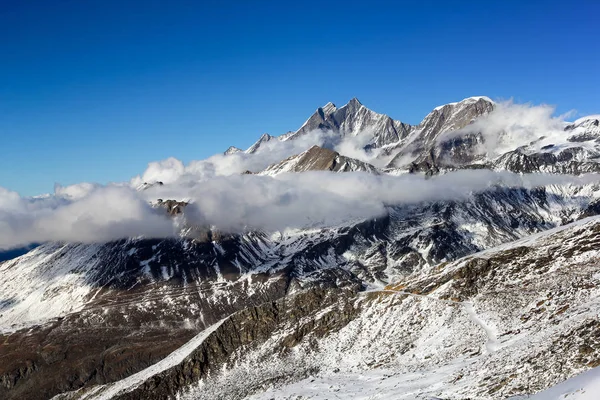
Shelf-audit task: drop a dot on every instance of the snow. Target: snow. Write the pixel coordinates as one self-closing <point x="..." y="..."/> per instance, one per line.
<point x="492" y="343"/>
<point x="477" y="98"/>
<point x="587" y="118"/>
<point x="46" y="283"/>
<point x="585" y="386"/>
<point x="405" y="345"/>
<point x="328" y="108"/>
<point x="377" y="384"/>
<point x="472" y="99"/>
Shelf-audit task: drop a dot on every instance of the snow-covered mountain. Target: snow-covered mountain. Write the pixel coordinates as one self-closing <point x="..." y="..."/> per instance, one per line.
<point x="483" y="327"/>
<point x="488" y="295"/>
<point x="430" y="146"/>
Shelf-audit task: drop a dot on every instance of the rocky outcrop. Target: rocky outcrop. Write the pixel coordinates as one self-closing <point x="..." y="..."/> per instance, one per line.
<point x="248" y="329"/>
<point x="572" y="161"/>
<point x="173" y="207"/>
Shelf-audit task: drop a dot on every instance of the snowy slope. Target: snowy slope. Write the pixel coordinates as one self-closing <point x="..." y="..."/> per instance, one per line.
<point x="585" y="386"/>
<point x="433" y="323"/>
<point x="45" y="283"/>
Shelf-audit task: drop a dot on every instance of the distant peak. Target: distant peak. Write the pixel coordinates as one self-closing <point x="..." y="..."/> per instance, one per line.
<point x="265" y="137"/>
<point x="476" y="98"/>
<point x="355" y="102"/>
<point x="232" y="150"/>
<point x="468" y="100"/>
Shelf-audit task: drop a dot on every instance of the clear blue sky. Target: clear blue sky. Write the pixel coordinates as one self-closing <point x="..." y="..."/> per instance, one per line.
<point x="94" y="90"/>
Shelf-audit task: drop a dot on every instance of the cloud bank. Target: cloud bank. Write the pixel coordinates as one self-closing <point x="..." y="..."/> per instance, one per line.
<point x="101" y="214"/>
<point x="236" y="203"/>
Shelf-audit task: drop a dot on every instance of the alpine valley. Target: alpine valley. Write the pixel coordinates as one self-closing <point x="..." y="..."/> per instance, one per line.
<point x="466" y="267"/>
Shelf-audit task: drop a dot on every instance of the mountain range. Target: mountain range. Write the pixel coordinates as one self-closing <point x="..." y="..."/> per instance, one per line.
<point x="486" y="294"/>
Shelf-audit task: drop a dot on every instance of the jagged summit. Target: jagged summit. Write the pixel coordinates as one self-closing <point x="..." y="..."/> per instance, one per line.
<point x="429" y="148"/>
<point x="354" y="102"/>
<point x="353" y="118"/>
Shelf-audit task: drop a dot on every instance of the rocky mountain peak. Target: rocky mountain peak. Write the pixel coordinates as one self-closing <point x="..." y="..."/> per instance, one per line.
<point x="354" y="103"/>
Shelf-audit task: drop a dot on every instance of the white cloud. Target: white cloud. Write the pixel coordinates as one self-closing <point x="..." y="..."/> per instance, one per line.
<point x="74" y="192"/>
<point x="238" y="202"/>
<point x="512" y="125"/>
<point x="103" y="214"/>
<point x="172" y="169"/>
<point x="317" y="199"/>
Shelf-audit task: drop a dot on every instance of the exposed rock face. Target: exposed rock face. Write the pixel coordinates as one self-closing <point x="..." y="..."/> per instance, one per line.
<point x="248" y="328"/>
<point x="173" y="207"/>
<point x="349" y="120"/>
<point x="151" y="298"/>
<point x="423" y="143"/>
<point x="354" y="118"/>
<point x="573" y="161"/>
<point x="427" y="147"/>
<point x="142" y="289"/>
<point x="319" y="159"/>
<point x="148" y="185"/>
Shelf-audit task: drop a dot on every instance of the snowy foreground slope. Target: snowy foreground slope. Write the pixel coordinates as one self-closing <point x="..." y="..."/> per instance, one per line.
<point x="585" y="386"/>
<point x="506" y="322"/>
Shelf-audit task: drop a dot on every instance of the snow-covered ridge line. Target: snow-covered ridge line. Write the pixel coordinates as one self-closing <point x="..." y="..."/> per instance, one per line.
<point x="587" y="118"/>
<point x="471" y="99"/>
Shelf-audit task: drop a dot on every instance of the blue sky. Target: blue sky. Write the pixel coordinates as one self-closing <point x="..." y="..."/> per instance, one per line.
<point x="94" y="90"/>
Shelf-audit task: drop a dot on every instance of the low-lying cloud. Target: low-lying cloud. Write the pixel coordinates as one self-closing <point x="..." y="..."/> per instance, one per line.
<point x="102" y="214"/>
<point x="239" y="203"/>
<point x="273" y="151"/>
